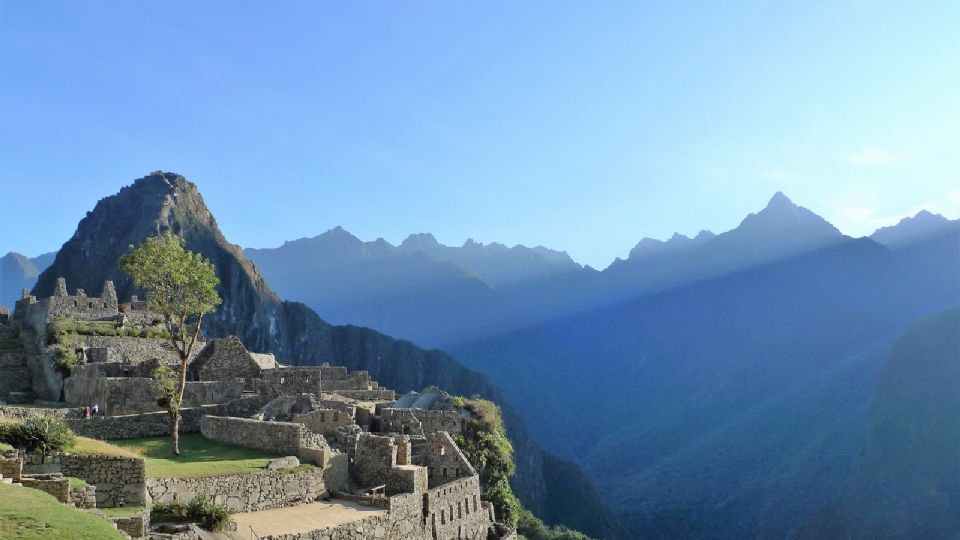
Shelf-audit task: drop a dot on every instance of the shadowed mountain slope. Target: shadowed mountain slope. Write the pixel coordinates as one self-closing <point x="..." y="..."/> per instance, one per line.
<point x="906" y="482"/>
<point x="733" y="403"/>
<point x="251" y="310"/>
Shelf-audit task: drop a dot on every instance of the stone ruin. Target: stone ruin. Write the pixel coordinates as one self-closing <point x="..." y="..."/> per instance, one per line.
<point x="368" y="446"/>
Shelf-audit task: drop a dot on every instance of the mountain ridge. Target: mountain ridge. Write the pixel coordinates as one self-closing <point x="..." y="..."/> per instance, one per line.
<point x="163" y="202"/>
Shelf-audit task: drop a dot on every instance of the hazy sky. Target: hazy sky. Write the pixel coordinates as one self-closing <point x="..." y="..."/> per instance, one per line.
<point x="581" y="126"/>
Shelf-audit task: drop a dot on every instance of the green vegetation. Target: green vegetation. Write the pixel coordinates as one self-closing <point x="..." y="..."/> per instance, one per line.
<point x="484" y="441"/>
<point x="85" y="446"/>
<point x="77" y="483"/>
<point x="38" y="434"/>
<point x="200" y="509"/>
<point x="64" y="328"/>
<point x="201" y="457"/>
<point x="4" y="447"/>
<point x="531" y="528"/>
<point x="181" y="286"/>
<point x="27" y="514"/>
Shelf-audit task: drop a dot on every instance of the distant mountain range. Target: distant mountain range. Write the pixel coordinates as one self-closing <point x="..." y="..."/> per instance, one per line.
<point x="251" y="310"/>
<point x="19" y="272"/>
<point x="715" y="383"/>
<point x="741" y="384"/>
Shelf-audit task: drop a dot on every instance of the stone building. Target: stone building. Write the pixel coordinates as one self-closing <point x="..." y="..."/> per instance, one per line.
<point x="368" y="447"/>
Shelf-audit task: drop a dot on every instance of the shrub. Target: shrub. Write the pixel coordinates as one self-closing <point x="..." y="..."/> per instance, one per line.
<point x="43" y="434"/>
<point x="211" y="516"/>
<point x="505" y="503"/>
<point x="531" y="528"/>
<point x="66" y="358"/>
<point x="200" y="509"/>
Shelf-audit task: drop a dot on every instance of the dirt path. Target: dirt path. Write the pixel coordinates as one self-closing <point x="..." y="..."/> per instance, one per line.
<point x="302" y="518"/>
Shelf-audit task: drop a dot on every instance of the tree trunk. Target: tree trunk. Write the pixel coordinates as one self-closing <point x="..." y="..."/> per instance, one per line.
<point x="175" y="433"/>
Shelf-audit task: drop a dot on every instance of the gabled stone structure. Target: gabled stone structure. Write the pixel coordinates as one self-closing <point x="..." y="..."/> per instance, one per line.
<point x="227" y="356"/>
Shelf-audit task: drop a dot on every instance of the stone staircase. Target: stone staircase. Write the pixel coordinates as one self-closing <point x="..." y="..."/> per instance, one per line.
<point x="16" y="381"/>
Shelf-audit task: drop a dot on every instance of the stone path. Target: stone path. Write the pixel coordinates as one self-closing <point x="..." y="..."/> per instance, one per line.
<point x="301" y="518"/>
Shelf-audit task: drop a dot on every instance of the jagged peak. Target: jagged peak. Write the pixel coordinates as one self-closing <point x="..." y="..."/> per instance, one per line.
<point x="420" y="240"/>
<point x="779" y="200"/>
<point x="648" y="246"/>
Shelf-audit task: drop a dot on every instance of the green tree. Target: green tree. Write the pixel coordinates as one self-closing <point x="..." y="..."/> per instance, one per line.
<point x="485" y="444"/>
<point x="180" y="286"/>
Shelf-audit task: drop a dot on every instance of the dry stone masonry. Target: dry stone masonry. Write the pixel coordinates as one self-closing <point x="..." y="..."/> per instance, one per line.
<point x="355" y="440"/>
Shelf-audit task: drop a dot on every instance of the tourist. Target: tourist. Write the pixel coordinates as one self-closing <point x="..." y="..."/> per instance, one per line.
<point x="86" y="412"/>
<point x="96" y="409"/>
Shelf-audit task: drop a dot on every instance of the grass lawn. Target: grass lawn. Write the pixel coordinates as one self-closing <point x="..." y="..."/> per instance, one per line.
<point x="83" y="445"/>
<point x="30" y="513"/>
<point x="77" y="483"/>
<point x="198" y="457"/>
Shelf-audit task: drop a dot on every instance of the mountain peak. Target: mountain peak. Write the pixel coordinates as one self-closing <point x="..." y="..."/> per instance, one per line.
<point x="779" y="201"/>
<point x="421" y="241"/>
<point x="922" y="225"/>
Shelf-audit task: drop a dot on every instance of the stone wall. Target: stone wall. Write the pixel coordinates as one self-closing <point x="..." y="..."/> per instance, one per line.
<point x="132" y="395"/>
<point x="280" y="438"/>
<point x="378" y="394"/>
<point x="132" y="350"/>
<point x="58" y="487"/>
<point x="324" y="421"/>
<point x="84" y="497"/>
<point x="119" y="481"/>
<point x="157" y="424"/>
<point x="444" y="459"/>
<point x="419" y="421"/>
<point x="247" y="492"/>
<point x="18" y="414"/>
<point x="455" y="510"/>
<point x="11" y="467"/>
<point x="414" y="517"/>
<point x="220" y="357"/>
<point x="62" y="305"/>
<point x="375" y="456"/>
<point x="293" y="380"/>
<point x="136" y="526"/>
<point x="385" y="461"/>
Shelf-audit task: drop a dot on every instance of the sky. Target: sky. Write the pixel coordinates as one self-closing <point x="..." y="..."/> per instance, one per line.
<point x="581" y="126"/>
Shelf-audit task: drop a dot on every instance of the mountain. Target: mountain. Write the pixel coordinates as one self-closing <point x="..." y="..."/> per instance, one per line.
<point x="251" y="310"/>
<point x="733" y="396"/>
<point x="18" y="272"/>
<point x="913" y="229"/>
<point x="496" y="263"/>
<point x="403" y="291"/>
<point x="906" y="483"/>
<point x="781" y="229"/>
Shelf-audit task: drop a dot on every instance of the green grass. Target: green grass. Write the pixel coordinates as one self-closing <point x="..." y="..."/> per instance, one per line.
<point x="198" y="457"/>
<point x="32" y="514"/>
<point x="122" y="511"/>
<point x="85" y="446"/>
<point x="4" y="447"/>
<point x="77" y="483"/>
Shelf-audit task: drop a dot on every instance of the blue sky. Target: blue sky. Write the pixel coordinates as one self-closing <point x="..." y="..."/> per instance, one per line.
<point x="581" y="126"/>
